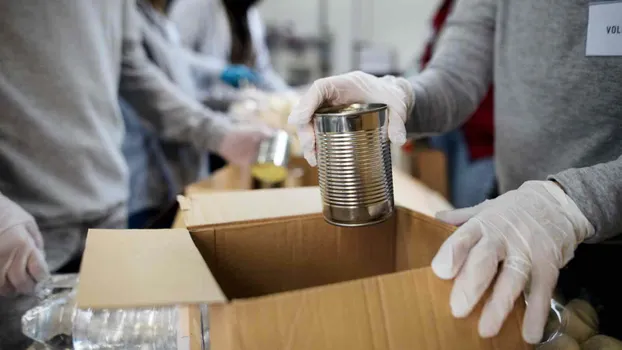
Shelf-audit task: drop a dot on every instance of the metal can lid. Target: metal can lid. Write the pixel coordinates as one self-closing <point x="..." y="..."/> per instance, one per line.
<point x="349" y="110"/>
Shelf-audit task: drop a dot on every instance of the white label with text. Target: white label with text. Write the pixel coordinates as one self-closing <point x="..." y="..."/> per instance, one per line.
<point x="604" y="29"/>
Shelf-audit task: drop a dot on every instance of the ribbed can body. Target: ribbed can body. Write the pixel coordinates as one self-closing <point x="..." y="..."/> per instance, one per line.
<point x="354" y="163"/>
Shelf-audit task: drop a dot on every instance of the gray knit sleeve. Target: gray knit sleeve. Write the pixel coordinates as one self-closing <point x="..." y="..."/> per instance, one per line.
<point x="597" y="191"/>
<point x="458" y="77"/>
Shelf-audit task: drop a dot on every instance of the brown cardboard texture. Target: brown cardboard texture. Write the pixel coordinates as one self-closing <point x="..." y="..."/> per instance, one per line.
<point x="141" y="268"/>
<point x="225" y="207"/>
<point x="409" y="192"/>
<point x="209" y="208"/>
<point x="430" y="167"/>
<point x="294" y="283"/>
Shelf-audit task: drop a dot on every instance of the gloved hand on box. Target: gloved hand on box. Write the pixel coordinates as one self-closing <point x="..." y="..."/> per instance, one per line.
<point x="533" y="231"/>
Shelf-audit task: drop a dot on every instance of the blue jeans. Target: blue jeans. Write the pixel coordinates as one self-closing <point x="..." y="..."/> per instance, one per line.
<point x="470" y="182"/>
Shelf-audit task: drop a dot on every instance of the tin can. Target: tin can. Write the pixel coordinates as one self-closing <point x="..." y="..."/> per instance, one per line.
<point x="272" y="159"/>
<point x="354" y="163"/>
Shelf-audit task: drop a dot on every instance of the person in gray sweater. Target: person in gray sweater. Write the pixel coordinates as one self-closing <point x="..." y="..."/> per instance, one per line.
<point x="63" y="65"/>
<point x="558" y="121"/>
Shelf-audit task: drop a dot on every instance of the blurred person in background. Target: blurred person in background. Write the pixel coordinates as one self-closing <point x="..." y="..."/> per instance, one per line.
<point x="468" y="149"/>
<point x="232" y="32"/>
<point x="63" y="66"/>
<point x="558" y="152"/>
<point x="229" y="34"/>
<point x="160" y="169"/>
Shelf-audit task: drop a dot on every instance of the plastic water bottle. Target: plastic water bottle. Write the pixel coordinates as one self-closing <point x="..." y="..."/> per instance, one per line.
<point x="57" y="324"/>
<point x="50" y="322"/>
<point x="145" y="329"/>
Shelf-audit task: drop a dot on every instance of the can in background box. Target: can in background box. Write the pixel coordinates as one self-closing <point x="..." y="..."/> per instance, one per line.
<point x="354" y="163"/>
<point x="272" y="158"/>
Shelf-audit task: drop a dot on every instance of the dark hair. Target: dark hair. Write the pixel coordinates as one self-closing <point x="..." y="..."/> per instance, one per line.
<point x="242" y="47"/>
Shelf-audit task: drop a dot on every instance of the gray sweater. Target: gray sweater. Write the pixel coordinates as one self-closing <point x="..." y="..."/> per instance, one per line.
<point x="558" y="112"/>
<point x="62" y="67"/>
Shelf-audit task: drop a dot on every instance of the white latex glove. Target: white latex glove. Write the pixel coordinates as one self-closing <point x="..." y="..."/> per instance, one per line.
<point x="355" y="87"/>
<point x="534" y="231"/>
<point x="241" y="145"/>
<point x="22" y="261"/>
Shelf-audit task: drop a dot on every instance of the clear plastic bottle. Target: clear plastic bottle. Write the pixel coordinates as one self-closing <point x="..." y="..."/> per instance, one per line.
<point x="57" y="324"/>
<point x="50" y="322"/>
<point x="205" y="326"/>
<point x="149" y="328"/>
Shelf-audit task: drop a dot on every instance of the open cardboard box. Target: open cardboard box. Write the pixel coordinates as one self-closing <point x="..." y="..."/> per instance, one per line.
<point x="289" y="282"/>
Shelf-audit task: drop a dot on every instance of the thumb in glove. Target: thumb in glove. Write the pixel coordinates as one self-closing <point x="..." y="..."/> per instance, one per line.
<point x="22" y="260"/>
<point x="458" y="217"/>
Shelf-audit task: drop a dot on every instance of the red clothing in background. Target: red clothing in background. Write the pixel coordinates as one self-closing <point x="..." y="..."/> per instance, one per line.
<point x="479" y="129"/>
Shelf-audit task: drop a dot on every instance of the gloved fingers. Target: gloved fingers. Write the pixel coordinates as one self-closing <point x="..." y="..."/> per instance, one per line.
<point x="17" y="273"/>
<point x="510" y="283"/>
<point x="355" y="87"/>
<point x="302" y="114"/>
<point x="396" y="128"/>
<point x="6" y="261"/>
<point x="458" y="217"/>
<point x="35" y="234"/>
<point x="322" y="91"/>
<point x="241" y="156"/>
<point x="264" y="130"/>
<point x="474" y="278"/>
<point x="455" y="250"/>
<point x="398" y="110"/>
<point x="306" y="135"/>
<point x="543" y="281"/>
<point x="37" y="266"/>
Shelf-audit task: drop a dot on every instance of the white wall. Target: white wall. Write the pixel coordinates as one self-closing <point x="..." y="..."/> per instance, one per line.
<point x="403" y="24"/>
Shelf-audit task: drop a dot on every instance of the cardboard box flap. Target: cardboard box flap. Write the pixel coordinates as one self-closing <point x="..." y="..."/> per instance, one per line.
<point x="215" y="208"/>
<point x="405" y="310"/>
<point x="224" y="207"/>
<point x="141" y="268"/>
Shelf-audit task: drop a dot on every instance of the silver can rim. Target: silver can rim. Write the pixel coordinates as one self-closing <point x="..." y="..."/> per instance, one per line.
<point x="342" y="110"/>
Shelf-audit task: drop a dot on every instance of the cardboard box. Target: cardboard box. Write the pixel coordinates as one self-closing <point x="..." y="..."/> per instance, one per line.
<point x="290" y="282"/>
<point x="430" y="167"/>
<point x="408" y="191"/>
